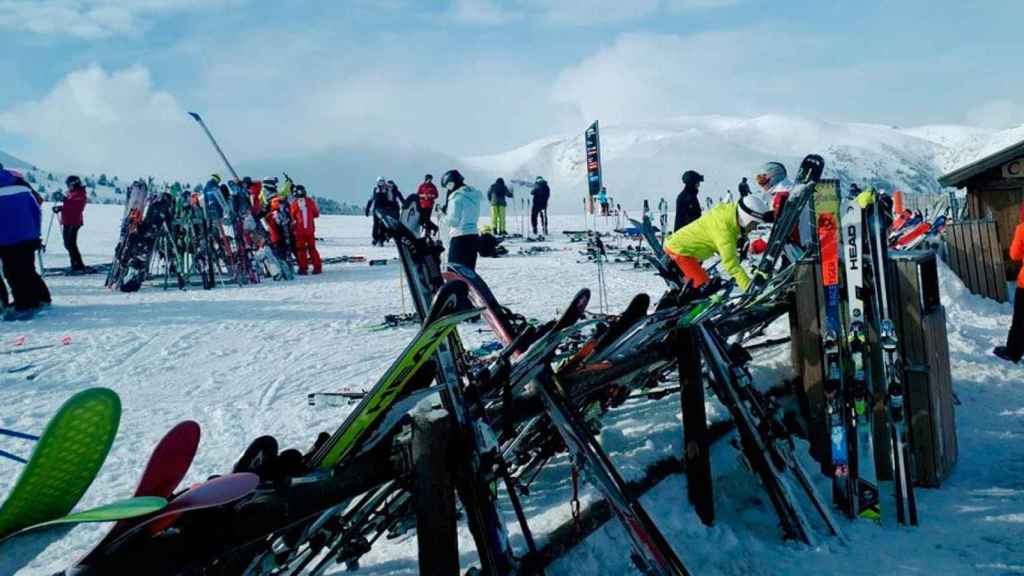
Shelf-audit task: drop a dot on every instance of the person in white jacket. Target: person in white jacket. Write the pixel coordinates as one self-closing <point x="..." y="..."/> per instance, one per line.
<point x="462" y="208"/>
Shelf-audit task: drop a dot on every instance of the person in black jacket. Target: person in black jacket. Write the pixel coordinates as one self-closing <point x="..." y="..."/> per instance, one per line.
<point x="541" y="194"/>
<point x="744" y="188"/>
<point x="687" y="204"/>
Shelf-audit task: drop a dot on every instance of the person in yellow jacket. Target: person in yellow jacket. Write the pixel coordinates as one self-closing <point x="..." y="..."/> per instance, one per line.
<point x="1014" y="349"/>
<point x="718" y="231"/>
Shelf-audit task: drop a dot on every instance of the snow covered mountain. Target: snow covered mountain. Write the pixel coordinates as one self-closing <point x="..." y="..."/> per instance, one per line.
<point x="645" y="161"/>
<point x="9" y="161"/>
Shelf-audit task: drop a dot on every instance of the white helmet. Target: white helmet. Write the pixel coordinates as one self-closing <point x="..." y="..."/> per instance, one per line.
<point x="752" y="208"/>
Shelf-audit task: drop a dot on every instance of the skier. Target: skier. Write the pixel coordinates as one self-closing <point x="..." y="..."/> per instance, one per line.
<point x="773" y="181"/>
<point x="71" y="221"/>
<point x="21" y="222"/>
<point x="744" y="188"/>
<point x="496" y="195"/>
<point x="602" y="199"/>
<point x="304" y="212"/>
<point x="379" y="200"/>
<point x="426" y="196"/>
<point x="717" y="232"/>
<point x="541" y="194"/>
<point x="687" y="204"/>
<point x="1014" y="348"/>
<point x="462" y="211"/>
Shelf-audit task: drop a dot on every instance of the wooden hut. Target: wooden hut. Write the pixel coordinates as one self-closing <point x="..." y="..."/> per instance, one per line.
<point x="995" y="186"/>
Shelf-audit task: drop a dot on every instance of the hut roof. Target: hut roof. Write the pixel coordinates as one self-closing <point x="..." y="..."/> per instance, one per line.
<point x="957" y="178"/>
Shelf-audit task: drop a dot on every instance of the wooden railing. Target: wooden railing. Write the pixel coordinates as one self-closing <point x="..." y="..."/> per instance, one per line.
<point x="974" y="254"/>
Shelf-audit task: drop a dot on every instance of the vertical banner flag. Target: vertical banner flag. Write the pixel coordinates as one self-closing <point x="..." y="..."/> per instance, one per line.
<point x="593" y="142"/>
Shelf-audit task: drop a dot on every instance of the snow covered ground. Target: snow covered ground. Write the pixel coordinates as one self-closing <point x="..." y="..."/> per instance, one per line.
<point x="241" y="361"/>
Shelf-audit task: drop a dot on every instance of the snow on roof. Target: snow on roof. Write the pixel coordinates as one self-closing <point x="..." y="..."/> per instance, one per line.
<point x="983" y="154"/>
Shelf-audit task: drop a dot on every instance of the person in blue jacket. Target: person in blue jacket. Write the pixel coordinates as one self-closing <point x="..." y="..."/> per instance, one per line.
<point x="20" y="225"/>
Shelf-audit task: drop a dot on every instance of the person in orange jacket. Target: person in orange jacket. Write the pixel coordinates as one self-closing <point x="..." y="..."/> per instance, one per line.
<point x="1014" y="349"/>
<point x="304" y="214"/>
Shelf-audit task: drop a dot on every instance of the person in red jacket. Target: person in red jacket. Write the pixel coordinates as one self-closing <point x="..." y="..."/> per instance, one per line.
<point x="71" y="220"/>
<point x="1014" y="349"/>
<point x="427" y="194"/>
<point x="304" y="213"/>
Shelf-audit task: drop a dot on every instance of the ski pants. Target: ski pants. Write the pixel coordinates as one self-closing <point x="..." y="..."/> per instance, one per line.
<point x="27" y="287"/>
<point x="1015" y="339"/>
<point x="498" y="219"/>
<point x="306" y="253"/>
<point x="536" y="212"/>
<point x="463" y="250"/>
<point x="70" y="234"/>
<point x="378" y="231"/>
<point x="691" y="267"/>
<point x="429" y="228"/>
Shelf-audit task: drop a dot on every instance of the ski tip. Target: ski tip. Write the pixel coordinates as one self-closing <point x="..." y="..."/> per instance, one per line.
<point x="195" y="116"/>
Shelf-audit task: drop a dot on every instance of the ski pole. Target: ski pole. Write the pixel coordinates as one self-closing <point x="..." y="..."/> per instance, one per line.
<point x="13" y="457"/>
<point x="16" y="434"/>
<point x="49" y="227"/>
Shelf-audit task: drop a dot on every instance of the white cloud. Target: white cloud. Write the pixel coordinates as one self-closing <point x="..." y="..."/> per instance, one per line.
<point x="572" y="12"/>
<point x="91" y="19"/>
<point x="997" y="114"/>
<point x="95" y="121"/>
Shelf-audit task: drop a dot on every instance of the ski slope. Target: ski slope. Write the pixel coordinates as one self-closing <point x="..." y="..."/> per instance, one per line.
<point x="241" y="361"/>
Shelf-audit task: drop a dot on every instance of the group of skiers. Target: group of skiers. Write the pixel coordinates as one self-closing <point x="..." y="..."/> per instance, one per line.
<point x="698" y="236"/>
<point x="386" y="199"/>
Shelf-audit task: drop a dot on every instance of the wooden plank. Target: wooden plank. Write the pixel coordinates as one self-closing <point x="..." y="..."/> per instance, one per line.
<point x="998" y="267"/>
<point x="951" y="248"/>
<point x="985" y="272"/>
<point x="961" y="249"/>
<point x="970" y="259"/>
<point x="434" y="494"/>
<point x="696" y="441"/>
<point x="811" y="393"/>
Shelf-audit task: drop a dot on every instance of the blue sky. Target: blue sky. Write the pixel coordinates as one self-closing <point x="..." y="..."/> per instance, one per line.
<point x="103" y="84"/>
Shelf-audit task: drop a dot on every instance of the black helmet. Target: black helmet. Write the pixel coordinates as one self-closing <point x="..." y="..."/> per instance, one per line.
<point x="428" y="177"/>
<point x="299" y="191"/>
<point x="452" y="177"/>
<point x="691" y="178"/>
<point x="73" y="181"/>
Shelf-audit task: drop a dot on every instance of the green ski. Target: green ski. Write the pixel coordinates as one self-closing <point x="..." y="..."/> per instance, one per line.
<point x="65" y="461"/>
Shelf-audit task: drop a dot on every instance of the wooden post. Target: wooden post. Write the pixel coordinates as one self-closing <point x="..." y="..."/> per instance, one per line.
<point x="695" y="428"/>
<point x="434" y="494"/>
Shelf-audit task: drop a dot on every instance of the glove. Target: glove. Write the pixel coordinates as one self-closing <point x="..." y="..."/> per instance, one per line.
<point x="865" y="198"/>
<point x="57" y="209"/>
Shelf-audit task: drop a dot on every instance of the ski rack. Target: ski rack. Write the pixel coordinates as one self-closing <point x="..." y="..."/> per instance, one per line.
<point x="766" y="444"/>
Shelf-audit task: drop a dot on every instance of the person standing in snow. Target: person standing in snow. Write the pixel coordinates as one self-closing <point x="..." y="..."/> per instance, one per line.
<point x="21" y="222"/>
<point x="426" y="197"/>
<point x="71" y="220"/>
<point x="773" y="181"/>
<point x="379" y="200"/>
<point x="541" y="194"/>
<point x="304" y="213"/>
<point x="602" y="200"/>
<point x="462" y="212"/>
<point x="1013" y="351"/>
<point x="744" y="188"/>
<point x="496" y="195"/>
<point x="717" y="232"/>
<point x="687" y="203"/>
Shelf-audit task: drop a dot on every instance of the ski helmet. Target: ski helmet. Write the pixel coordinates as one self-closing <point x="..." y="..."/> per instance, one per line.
<point x="771" y="174"/>
<point x="692" y="178"/>
<point x="451" y="180"/>
<point x="216" y="178"/>
<point x="73" y="182"/>
<point x="752" y="209"/>
<point x="299" y="191"/>
<point x="539" y="179"/>
<point x="428" y="178"/>
<point x="381" y="180"/>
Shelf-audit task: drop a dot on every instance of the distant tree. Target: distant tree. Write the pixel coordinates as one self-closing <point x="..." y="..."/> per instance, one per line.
<point x="49" y="176"/>
<point x="30" y="177"/>
<point x="102" y="180"/>
<point x="92" y="193"/>
<point x="118" y="191"/>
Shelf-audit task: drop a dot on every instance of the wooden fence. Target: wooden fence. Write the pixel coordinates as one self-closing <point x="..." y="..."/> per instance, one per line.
<point x="974" y="254"/>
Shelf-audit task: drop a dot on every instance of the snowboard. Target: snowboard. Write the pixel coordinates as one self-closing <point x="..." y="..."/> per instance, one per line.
<point x="65" y="461"/>
<point x="112" y="512"/>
